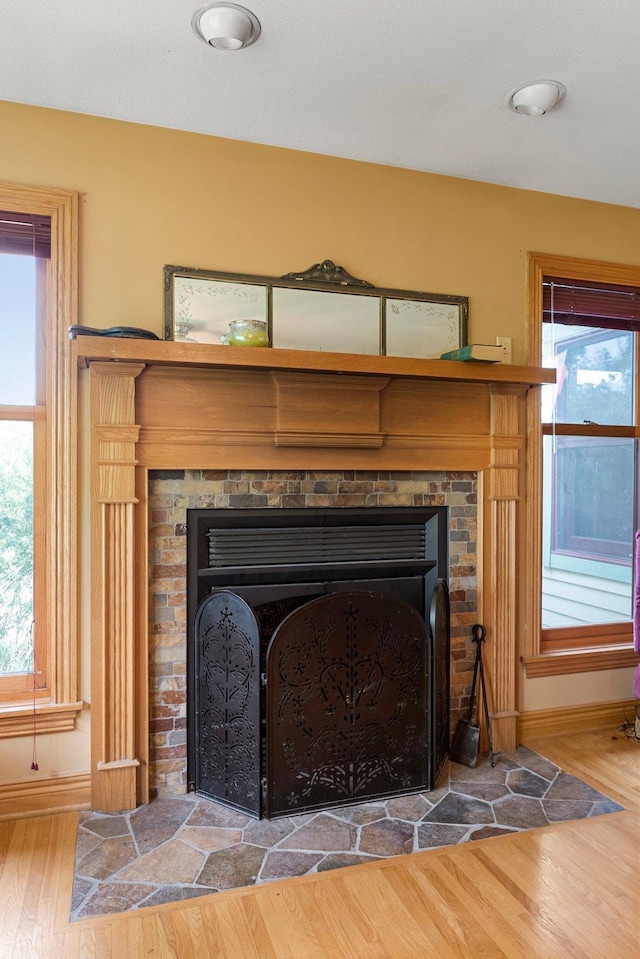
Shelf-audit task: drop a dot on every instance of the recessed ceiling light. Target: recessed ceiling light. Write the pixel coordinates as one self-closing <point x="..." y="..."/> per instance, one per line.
<point x="537" y="98"/>
<point x="226" y="26"/>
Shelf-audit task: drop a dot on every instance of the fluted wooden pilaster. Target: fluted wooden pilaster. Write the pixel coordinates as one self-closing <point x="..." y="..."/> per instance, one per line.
<point x="113" y="440"/>
<point x="500" y="545"/>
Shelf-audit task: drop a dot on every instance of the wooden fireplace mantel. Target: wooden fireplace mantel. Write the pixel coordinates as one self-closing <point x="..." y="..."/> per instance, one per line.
<point x="193" y="355"/>
<point x="168" y="405"/>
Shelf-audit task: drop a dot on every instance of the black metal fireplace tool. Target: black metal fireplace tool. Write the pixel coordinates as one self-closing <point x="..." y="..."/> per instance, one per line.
<point x="466" y="739"/>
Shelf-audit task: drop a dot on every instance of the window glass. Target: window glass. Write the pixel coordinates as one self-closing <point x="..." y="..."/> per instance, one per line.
<point x="595" y="375"/>
<point x="588" y="497"/>
<point x="17" y="388"/>
<point x="17" y="330"/>
<point x="16" y="546"/>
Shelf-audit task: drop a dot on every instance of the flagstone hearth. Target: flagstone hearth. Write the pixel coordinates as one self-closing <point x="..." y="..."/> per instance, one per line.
<point x="179" y="847"/>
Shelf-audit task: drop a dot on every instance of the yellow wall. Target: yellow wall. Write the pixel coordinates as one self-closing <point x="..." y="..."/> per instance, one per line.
<point x="152" y="196"/>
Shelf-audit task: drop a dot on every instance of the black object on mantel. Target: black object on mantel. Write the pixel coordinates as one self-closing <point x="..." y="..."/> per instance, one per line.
<point x="133" y="332"/>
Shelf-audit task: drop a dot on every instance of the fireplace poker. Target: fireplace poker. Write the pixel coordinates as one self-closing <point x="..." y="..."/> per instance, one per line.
<point x="479" y="633"/>
<point x="466" y="738"/>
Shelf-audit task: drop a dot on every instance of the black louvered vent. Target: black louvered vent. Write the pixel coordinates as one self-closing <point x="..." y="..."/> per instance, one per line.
<point x="314" y="544"/>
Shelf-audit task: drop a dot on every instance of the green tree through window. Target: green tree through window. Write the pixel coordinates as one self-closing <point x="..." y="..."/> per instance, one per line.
<point x="16" y="547"/>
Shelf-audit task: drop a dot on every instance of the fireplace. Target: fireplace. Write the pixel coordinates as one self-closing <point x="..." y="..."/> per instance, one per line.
<point x="313" y="677"/>
<point x="277" y="410"/>
<point x="445" y="503"/>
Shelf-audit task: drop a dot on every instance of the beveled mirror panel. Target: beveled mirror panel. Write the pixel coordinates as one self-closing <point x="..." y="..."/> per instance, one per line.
<point x="323" y="308"/>
<point x="320" y="320"/>
<point x="422" y="329"/>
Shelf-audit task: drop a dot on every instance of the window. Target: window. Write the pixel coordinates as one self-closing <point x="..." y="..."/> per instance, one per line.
<point x="37" y="476"/>
<point x="21" y="287"/>
<point x="585" y="431"/>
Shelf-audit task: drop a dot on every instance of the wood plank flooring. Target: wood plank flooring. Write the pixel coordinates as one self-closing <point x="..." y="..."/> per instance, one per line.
<point x="569" y="891"/>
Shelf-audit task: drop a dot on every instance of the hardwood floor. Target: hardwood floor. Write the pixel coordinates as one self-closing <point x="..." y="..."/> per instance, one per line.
<point x="568" y="891"/>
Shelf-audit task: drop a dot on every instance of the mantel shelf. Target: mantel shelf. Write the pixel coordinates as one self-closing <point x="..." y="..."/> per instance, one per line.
<point x="171" y="353"/>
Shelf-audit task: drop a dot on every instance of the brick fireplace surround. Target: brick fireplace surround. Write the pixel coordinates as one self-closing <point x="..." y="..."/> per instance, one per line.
<point x="245" y="422"/>
<point x="173" y="492"/>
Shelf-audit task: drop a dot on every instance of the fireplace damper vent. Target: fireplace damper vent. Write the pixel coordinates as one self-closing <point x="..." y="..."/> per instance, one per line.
<point x="315" y="544"/>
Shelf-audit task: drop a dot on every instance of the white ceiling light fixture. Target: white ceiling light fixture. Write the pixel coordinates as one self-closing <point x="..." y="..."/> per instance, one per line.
<point x="226" y="26"/>
<point x="536" y="99"/>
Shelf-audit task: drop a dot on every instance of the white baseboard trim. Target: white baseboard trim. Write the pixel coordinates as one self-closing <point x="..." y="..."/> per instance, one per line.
<point x="573" y="719"/>
<point x="39" y="797"/>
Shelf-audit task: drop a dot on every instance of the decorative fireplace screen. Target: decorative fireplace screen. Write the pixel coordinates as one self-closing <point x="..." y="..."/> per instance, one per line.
<point x="315" y="679"/>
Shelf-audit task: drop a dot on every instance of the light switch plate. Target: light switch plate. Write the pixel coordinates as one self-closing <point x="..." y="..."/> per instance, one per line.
<point x="505" y="343"/>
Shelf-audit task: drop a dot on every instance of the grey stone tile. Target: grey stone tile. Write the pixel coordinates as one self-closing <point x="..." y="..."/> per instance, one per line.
<point x="154" y="824"/>
<point x="486" y="791"/>
<point x="439" y="834"/>
<point x="604" y="807"/>
<point x="233" y="867"/>
<point x="361" y="814"/>
<point x="280" y="865"/>
<point x="488" y="832"/>
<point x="114" y="897"/>
<point x="389" y="837"/>
<point x="209" y="838"/>
<point x="209" y="813"/>
<point x="519" y="811"/>
<point x="562" y="810"/>
<point x="108" y="826"/>
<point x="410" y="808"/>
<point x="433" y="796"/>
<point x="176" y="894"/>
<point x="525" y="783"/>
<point x="302" y="818"/>
<point x="523" y="756"/>
<point x="568" y="787"/>
<point x="266" y="832"/>
<point x="85" y="841"/>
<point x="173" y="863"/>
<point x="322" y="833"/>
<point x="460" y="809"/>
<point x="108" y="857"/>
<point x="80" y="889"/>
<point x="338" y="860"/>
<point x="483" y="773"/>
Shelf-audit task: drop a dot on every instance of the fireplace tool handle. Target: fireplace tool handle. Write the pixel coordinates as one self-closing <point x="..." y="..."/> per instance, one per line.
<point x="479" y="634"/>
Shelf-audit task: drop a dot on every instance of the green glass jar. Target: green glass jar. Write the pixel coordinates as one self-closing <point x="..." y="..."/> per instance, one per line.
<point x="247" y="332"/>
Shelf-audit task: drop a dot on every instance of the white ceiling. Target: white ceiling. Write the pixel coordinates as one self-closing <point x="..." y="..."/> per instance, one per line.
<point x="411" y="83"/>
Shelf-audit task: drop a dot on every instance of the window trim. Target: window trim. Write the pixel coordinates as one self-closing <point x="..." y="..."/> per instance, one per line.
<point x="57" y="707"/>
<point x="601" y="649"/>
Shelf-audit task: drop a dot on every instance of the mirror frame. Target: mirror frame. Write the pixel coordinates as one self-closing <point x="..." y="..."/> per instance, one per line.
<point x="323" y="277"/>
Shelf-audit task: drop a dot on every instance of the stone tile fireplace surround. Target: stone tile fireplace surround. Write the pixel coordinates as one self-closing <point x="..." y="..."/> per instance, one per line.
<point x="247" y="421"/>
<point x="173" y="492"/>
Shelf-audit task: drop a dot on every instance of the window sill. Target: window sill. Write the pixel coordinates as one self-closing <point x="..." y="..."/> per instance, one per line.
<point x="580" y="661"/>
<point x="49" y="718"/>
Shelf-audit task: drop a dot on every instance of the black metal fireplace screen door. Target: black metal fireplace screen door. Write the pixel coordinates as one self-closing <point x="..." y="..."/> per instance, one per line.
<point x="347" y="689"/>
<point x="346" y="702"/>
<point x="228" y="706"/>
